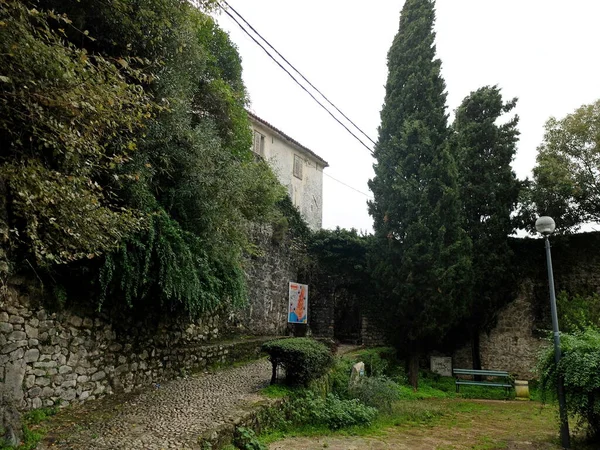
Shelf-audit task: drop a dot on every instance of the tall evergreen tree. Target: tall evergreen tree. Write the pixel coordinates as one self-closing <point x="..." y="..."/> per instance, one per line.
<point x="422" y="257"/>
<point x="489" y="192"/>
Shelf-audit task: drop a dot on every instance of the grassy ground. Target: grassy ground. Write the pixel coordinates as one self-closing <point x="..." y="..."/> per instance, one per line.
<point x="434" y="417"/>
<point x="441" y="424"/>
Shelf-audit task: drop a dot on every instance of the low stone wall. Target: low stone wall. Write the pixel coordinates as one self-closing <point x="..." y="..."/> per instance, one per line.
<point x="50" y="357"/>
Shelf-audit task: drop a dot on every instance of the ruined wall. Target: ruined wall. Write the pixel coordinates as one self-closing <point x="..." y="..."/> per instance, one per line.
<point x="523" y="325"/>
<point x="514" y="344"/>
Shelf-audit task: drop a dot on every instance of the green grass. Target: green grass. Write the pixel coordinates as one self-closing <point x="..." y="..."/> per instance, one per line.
<point x="279" y="391"/>
<point x="32" y="431"/>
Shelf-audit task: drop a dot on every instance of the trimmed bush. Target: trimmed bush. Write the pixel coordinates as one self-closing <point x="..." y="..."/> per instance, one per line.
<point x="303" y="359"/>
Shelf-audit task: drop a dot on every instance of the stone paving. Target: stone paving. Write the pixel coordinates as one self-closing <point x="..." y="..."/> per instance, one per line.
<point x="171" y="415"/>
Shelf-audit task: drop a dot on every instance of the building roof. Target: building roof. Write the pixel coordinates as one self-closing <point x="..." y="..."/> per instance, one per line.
<point x="284" y="136"/>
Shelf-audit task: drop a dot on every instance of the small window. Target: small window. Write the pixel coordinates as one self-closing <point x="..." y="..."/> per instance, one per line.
<point x="258" y="146"/>
<point x="298" y="166"/>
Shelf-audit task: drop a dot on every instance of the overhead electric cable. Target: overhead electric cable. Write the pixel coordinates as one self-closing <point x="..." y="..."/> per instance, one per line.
<point x="298" y="72"/>
<point x="348" y="186"/>
<point x="294" y="78"/>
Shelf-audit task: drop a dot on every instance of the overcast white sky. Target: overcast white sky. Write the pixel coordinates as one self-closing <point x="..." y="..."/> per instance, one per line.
<point x="545" y="52"/>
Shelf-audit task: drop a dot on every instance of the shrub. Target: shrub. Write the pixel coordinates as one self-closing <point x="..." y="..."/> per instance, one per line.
<point x="379" y="392"/>
<point x="580" y="370"/>
<point x="309" y="409"/>
<point x="245" y="439"/>
<point x="336" y="413"/>
<point x="303" y="359"/>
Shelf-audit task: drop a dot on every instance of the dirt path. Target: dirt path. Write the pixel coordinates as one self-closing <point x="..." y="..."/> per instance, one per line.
<point x="168" y="416"/>
<point x="486" y="425"/>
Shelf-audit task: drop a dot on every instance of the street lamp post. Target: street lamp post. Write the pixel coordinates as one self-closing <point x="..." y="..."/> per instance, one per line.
<point x="545" y="225"/>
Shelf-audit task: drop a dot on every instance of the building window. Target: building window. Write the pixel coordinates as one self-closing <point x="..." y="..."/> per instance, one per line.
<point x="298" y="166"/>
<point x="259" y="144"/>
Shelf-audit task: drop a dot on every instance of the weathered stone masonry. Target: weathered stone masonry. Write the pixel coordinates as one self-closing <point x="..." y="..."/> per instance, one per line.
<point x="70" y="356"/>
<point x="522" y="326"/>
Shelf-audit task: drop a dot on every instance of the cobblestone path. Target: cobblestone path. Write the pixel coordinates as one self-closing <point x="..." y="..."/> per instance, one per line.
<point x="170" y="416"/>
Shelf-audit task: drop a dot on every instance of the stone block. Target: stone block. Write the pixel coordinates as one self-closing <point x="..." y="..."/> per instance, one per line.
<point x="17" y="354"/>
<point x="17" y="336"/>
<point x="14" y="373"/>
<point x="68" y="395"/>
<point x="47" y="392"/>
<point x="122" y="369"/>
<point x="76" y="321"/>
<point x="98" y="376"/>
<point x="32" y="332"/>
<point x="42" y="381"/>
<point x="45" y="364"/>
<point x="31" y="355"/>
<point x="65" y="369"/>
<point x="16" y="319"/>
<point x="34" y="392"/>
<point x="5" y="327"/>
<point x="30" y="381"/>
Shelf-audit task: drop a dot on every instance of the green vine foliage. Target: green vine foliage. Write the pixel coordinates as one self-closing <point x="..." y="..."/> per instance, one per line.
<point x="578" y="312"/>
<point x="68" y="119"/>
<point x="580" y="370"/>
<point x="166" y="185"/>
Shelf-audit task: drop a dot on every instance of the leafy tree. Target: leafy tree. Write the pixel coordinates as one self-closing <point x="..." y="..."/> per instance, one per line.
<point x="567" y="175"/>
<point x="131" y="145"/>
<point x="484" y="147"/>
<point x="68" y="121"/>
<point x="422" y="255"/>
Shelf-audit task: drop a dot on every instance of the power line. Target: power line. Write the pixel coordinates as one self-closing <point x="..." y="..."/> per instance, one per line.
<point x="294" y="78"/>
<point x="348" y="186"/>
<point x="299" y="73"/>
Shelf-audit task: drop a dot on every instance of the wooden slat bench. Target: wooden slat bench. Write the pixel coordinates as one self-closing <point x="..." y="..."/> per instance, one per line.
<point x="502" y="378"/>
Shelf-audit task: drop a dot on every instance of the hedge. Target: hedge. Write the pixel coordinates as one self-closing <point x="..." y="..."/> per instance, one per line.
<point x="303" y="359"/>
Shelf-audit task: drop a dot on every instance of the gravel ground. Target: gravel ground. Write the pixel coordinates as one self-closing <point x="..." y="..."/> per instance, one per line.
<point x="171" y="415"/>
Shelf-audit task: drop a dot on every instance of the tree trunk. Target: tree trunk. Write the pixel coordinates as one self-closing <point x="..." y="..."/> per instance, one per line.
<point x="273" y="372"/>
<point x="476" y="352"/>
<point x="413" y="369"/>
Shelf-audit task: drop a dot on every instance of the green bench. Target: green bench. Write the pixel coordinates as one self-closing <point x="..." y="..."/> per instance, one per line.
<point x="501" y="378"/>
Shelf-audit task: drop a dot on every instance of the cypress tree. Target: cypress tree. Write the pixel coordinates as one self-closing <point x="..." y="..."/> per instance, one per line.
<point x="421" y="261"/>
<point x="489" y="192"/>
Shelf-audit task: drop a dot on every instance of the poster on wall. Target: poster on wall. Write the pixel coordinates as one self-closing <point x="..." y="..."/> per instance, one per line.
<point x="298" y="303"/>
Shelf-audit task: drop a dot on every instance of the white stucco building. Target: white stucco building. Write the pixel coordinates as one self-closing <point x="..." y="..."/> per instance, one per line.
<point x="298" y="168"/>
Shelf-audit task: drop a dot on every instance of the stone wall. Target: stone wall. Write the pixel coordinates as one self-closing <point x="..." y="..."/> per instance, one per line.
<point x="514" y="344"/>
<point x="371" y="334"/>
<point x="72" y="354"/>
<point x="519" y="335"/>
<point x="65" y="357"/>
<point x="268" y="273"/>
<point x="321" y="313"/>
